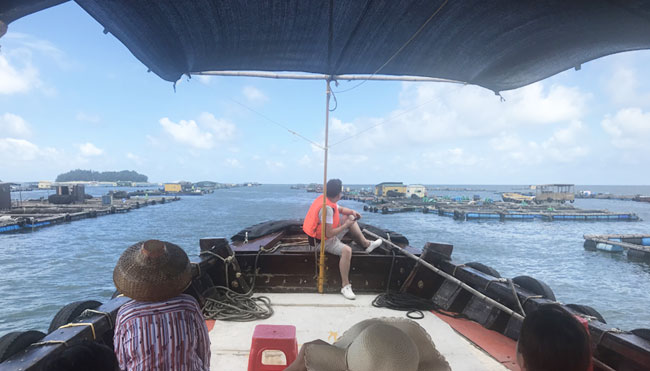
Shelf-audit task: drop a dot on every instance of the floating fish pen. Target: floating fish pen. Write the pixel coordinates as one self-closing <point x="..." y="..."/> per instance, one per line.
<point x="33" y="215"/>
<point x="499" y="210"/>
<point x="548" y="216"/>
<point x="609" y="196"/>
<point x="603" y="216"/>
<point x="637" y="246"/>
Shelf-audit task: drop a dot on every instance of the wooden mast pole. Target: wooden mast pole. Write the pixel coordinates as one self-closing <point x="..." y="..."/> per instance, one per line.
<point x="321" y="260"/>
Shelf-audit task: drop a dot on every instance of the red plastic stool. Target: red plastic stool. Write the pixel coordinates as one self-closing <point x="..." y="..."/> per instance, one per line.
<point x="272" y="337"/>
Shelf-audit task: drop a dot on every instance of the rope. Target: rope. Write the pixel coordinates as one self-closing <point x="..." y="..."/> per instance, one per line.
<point x="224" y="304"/>
<point x="487" y="285"/>
<point x="50" y="342"/>
<point x="531" y="297"/>
<point x="456" y="268"/>
<point x="412" y="304"/>
<point x="92" y="327"/>
<point x="383" y="122"/>
<point x="105" y="314"/>
<point x="514" y="293"/>
<point x="279" y="124"/>
<point x="227" y="305"/>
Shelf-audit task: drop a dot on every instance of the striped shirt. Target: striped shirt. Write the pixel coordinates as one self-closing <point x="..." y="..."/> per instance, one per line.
<point x="165" y="335"/>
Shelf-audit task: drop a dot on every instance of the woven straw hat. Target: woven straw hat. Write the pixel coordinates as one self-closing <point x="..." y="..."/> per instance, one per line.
<point x="378" y="344"/>
<point x="152" y="271"/>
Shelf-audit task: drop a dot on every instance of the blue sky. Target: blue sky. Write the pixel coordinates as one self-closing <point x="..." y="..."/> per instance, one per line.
<point x="72" y="97"/>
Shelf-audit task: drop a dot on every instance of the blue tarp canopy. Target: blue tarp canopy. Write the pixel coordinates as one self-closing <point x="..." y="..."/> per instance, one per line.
<point x="498" y="44"/>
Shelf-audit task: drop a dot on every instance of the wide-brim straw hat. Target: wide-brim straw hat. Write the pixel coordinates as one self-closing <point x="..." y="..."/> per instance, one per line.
<point x="152" y="271"/>
<point x="378" y="344"/>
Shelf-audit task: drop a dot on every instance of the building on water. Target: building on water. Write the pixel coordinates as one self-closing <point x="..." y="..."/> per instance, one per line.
<point x="382" y="189"/>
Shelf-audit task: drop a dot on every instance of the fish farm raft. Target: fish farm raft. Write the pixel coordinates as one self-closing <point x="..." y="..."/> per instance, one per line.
<point x="465" y="209"/>
<point x="637" y="246"/>
<point x="36" y="214"/>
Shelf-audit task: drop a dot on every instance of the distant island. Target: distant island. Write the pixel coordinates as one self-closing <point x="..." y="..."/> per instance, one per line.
<point x="104" y="176"/>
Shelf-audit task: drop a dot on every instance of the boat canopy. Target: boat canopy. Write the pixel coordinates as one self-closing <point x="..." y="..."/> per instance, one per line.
<point x="500" y="45"/>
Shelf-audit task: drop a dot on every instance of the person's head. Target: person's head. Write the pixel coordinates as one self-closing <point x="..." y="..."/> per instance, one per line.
<point x="551" y="338"/>
<point x="334" y="188"/>
<point x="152" y="271"/>
<point x="85" y="356"/>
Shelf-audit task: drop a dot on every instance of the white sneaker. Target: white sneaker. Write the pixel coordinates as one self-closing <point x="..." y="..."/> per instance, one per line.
<point x="373" y="245"/>
<point x="346" y="291"/>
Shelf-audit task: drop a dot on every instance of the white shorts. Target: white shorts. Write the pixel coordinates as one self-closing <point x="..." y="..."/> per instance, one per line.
<point x="334" y="245"/>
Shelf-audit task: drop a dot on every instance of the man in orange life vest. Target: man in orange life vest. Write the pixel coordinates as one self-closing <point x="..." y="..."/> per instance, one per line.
<point x="338" y="222"/>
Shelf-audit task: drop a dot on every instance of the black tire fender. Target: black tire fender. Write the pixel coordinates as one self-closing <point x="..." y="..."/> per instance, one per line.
<point x="585" y="309"/>
<point x="484" y="269"/>
<point x="642" y="333"/>
<point x="71" y="311"/>
<point x="535" y="286"/>
<point x="15" y="342"/>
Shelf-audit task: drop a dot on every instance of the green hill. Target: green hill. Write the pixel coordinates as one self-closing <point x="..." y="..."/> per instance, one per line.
<point x="104" y="176"/>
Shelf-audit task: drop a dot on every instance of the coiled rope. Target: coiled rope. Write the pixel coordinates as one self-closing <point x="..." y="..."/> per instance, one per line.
<point x="411" y="304"/>
<point x="224" y="304"/>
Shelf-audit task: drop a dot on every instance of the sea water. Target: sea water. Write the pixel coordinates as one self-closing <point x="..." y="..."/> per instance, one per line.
<point x="44" y="270"/>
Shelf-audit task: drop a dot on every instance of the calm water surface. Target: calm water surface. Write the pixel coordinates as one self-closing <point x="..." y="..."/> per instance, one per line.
<point x="42" y="271"/>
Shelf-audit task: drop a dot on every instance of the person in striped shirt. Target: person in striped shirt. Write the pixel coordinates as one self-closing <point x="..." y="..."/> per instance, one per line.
<point x="161" y="328"/>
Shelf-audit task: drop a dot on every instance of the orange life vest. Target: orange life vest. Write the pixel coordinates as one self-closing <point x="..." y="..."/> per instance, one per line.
<point x="311" y="225"/>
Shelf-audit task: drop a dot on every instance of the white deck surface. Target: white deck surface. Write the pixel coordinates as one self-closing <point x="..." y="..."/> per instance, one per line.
<point x="319" y="316"/>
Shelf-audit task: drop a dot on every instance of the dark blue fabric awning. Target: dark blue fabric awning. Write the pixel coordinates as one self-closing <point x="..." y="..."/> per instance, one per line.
<point x="499" y="44"/>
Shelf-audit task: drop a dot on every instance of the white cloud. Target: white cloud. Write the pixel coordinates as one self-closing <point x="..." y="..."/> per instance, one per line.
<point x="202" y="133"/>
<point x="624" y="87"/>
<point x="20" y="150"/>
<point x="453" y="156"/>
<point x="14" y="125"/>
<point x="254" y="95"/>
<point x="305" y="160"/>
<point x="339" y="128"/>
<point x="17" y="71"/>
<point x="152" y="141"/>
<point x="87" y="117"/>
<point x="135" y="158"/>
<point x="533" y="105"/>
<point x="221" y="128"/>
<point x="348" y="159"/>
<point x="204" y="79"/>
<point x="41" y="46"/>
<point x="433" y="113"/>
<point x="187" y="132"/>
<point x="17" y="79"/>
<point x="629" y="128"/>
<point x="90" y="150"/>
<point x="274" y="165"/>
<point x="233" y="162"/>
<point x="563" y="146"/>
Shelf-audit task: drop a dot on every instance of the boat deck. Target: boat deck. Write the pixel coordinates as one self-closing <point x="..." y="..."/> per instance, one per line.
<point x="324" y="316"/>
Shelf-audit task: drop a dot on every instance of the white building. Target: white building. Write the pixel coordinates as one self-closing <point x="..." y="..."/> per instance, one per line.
<point x="416" y="189"/>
